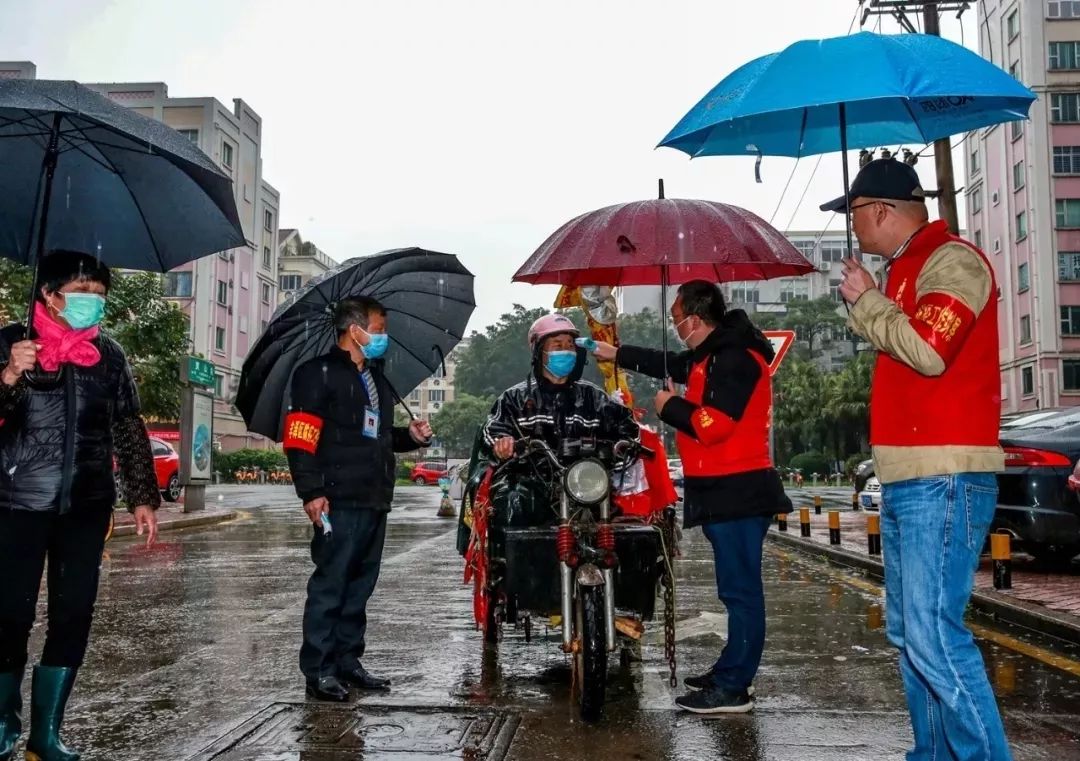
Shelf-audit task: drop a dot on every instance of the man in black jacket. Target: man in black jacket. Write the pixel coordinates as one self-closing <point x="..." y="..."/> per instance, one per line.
<point x="732" y="489"/>
<point x="340" y="441"/>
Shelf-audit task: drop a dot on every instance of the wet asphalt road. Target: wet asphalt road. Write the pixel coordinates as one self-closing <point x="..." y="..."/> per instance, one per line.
<point x="194" y="638"/>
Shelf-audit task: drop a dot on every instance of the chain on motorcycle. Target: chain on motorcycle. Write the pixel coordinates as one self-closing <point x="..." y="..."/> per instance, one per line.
<point x="667" y="539"/>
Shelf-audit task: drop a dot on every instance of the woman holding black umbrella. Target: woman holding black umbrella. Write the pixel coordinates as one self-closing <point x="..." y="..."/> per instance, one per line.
<point x="59" y="433"/>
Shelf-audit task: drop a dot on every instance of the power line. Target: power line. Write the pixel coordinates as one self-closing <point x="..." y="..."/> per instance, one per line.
<point x="784" y="193"/>
<point x="805" y="189"/>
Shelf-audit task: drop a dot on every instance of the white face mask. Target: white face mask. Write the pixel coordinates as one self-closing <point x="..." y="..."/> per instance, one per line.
<point x="684" y="341"/>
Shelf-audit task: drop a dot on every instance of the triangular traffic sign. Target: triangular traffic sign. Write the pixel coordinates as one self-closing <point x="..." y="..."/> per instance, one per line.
<point x="781" y="341"/>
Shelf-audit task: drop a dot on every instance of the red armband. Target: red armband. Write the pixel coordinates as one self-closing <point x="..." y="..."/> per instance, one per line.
<point x="943" y="321"/>
<point x="711" y="426"/>
<point x="302" y="431"/>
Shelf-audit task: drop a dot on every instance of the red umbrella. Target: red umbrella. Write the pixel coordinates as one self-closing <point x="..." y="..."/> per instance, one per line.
<point x="661" y="241"/>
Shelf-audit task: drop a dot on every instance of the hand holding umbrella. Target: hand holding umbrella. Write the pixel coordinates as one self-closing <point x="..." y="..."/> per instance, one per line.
<point x="857" y="281"/>
<point x="420" y="431"/>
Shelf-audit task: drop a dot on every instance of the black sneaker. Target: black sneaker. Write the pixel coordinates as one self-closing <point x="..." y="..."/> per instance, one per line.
<point x="705" y="682"/>
<point x="716" y="700"/>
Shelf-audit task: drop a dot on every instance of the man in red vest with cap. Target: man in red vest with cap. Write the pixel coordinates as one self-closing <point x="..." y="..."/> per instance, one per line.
<point x="935" y="408"/>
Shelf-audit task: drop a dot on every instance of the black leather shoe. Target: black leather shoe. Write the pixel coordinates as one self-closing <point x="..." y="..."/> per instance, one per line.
<point x="327" y="688"/>
<point x="361" y="679"/>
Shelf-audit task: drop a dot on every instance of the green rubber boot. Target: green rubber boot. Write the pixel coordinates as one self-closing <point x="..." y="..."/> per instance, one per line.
<point x="48" y="698"/>
<point x="10" y="712"/>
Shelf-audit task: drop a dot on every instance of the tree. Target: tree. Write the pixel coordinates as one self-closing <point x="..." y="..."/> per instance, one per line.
<point x="15" y="283"/>
<point x="814" y="319"/>
<point x="456" y="423"/>
<point x="154" y="334"/>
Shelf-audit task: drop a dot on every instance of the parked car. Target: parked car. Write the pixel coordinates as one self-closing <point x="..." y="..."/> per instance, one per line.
<point x="1035" y="502"/>
<point x="1039" y="491"/>
<point x="428" y="473"/>
<point x="870" y="496"/>
<point x="675" y="471"/>
<point x="863" y="473"/>
<point x="167" y="467"/>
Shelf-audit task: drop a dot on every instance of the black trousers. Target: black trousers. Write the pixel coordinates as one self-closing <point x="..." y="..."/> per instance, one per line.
<point x="73" y="545"/>
<point x="346" y="570"/>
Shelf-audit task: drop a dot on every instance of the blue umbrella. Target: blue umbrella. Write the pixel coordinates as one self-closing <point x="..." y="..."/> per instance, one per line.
<point x="859" y="91"/>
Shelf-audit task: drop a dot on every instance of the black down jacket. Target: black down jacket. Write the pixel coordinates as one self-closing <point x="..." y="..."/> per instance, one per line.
<point x="57" y="441"/>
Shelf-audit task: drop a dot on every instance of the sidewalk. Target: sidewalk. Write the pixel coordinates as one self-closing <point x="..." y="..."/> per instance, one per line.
<point x="1045" y="601"/>
<point x="172" y="517"/>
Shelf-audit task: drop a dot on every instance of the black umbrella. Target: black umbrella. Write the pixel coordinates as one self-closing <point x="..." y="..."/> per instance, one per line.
<point x="428" y="298"/>
<point x="81" y="172"/>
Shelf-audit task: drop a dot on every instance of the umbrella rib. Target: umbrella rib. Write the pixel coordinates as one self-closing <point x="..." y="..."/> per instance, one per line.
<point x="426" y="322"/>
<point x="918" y="126"/>
<point x="138" y="207"/>
<point x="72" y="146"/>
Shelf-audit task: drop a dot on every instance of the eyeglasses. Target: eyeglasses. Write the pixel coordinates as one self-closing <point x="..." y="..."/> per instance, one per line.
<point x="851" y="209"/>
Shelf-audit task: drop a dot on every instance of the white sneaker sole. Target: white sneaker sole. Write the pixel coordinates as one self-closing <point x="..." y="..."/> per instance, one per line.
<point x="745" y="708"/>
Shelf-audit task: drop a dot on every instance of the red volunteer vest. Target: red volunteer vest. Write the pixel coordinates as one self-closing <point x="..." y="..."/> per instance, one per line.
<point x="962" y="406"/>
<point x="747" y="447"/>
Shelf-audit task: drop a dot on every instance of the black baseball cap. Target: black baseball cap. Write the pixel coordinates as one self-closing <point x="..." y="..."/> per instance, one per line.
<point x="882" y="178"/>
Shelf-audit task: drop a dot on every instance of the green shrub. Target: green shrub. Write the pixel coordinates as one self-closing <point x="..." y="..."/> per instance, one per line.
<point x="809" y="463"/>
<point x="404" y="470"/>
<point x="853" y="462"/>
<point x="227" y="463"/>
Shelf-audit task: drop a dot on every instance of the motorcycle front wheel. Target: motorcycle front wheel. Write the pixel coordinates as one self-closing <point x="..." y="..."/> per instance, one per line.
<point x="591" y="658"/>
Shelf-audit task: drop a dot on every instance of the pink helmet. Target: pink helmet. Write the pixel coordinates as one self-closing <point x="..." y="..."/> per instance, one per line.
<point x="549" y="325"/>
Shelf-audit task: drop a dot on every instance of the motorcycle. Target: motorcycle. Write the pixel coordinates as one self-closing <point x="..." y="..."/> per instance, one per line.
<point x="545" y="542"/>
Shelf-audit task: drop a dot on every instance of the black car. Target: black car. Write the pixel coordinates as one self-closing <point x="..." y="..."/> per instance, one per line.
<point x="1037" y="504"/>
<point x="1038" y="494"/>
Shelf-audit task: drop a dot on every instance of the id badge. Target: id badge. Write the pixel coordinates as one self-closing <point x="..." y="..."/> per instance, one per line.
<point x="371" y="423"/>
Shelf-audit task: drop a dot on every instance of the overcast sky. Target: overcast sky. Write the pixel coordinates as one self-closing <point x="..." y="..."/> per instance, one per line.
<point x="475" y="127"/>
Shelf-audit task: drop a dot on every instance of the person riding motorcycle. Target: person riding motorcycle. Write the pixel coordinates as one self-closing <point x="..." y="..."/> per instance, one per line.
<point x="553" y="403"/>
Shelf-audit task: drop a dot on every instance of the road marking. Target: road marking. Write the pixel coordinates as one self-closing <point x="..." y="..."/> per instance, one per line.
<point x="1061" y="662"/>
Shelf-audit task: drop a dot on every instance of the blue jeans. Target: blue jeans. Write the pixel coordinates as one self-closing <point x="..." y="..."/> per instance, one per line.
<point x="932" y="532"/>
<point x="737" y="555"/>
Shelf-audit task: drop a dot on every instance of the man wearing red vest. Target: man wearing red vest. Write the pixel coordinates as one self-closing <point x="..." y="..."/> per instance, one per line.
<point x="731" y="488"/>
<point x="935" y="408"/>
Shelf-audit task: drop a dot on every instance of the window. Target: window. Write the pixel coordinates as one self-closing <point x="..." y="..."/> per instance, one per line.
<point x="1063" y="55"/>
<point x="1070" y="374"/>
<point x="794" y="290"/>
<point x="1070" y="321"/>
<point x="1067" y="159"/>
<point x="436" y="395"/>
<point x="975" y="200"/>
<point x="1065" y="107"/>
<point x="268" y="221"/>
<point x="159" y="448"/>
<point x="415" y="395"/>
<point x="1012" y="24"/>
<point x="178" y="284"/>
<point x="289" y="282"/>
<point x="226" y="154"/>
<point x="978" y="239"/>
<point x="976" y="165"/>
<point x="745" y="293"/>
<point x="266" y="293"/>
<point x="1062" y="9"/>
<point x="1017" y="130"/>
<point x="1025" y="329"/>
<point x="805" y="247"/>
<point x="1023" y="279"/>
<point x="1021" y="225"/>
<point x="1069" y="266"/>
<point x="266" y="257"/>
<point x="1027" y="380"/>
<point x="219" y="386"/>
<point x="834" y="290"/>
<point x="1067" y="212"/>
<point x="222" y="293"/>
<point x="190" y="134"/>
<point x="219" y="339"/>
<point x="1018" y="175"/>
<point x="1014" y="70"/>
<point x="833" y="251"/>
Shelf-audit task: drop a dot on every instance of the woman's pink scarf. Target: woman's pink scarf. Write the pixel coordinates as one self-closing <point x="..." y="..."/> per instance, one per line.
<point x="61" y="345"/>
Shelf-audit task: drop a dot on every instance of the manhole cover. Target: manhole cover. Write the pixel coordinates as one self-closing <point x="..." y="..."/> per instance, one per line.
<point x="328" y="732"/>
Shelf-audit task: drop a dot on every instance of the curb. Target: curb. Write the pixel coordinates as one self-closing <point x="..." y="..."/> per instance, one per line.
<point x="989" y="603"/>
<point x="193" y="521"/>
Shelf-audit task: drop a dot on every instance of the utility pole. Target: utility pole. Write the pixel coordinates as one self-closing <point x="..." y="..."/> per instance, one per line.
<point x="946" y="192"/>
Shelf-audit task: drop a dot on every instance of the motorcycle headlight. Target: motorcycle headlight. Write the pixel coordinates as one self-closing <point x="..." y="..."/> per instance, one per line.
<point x="587" y="481"/>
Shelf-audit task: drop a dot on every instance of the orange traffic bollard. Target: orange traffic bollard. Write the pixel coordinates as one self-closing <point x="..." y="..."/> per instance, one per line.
<point x="873" y="534"/>
<point x="1001" y="554"/>
<point x="781" y="521"/>
<point x="817" y="504"/>
<point x="834" y="527"/>
<point x="804" y="520"/>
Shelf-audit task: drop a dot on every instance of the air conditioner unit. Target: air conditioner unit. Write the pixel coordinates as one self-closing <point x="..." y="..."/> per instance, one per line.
<point x="994" y="197"/>
<point x="997" y="245"/>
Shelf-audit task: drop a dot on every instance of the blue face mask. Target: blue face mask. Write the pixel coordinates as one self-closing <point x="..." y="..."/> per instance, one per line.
<point x="376" y="346"/>
<point x="83" y="310"/>
<point x="560" y="363"/>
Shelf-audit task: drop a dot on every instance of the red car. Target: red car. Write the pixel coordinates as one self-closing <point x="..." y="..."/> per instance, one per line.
<point x="167" y="466"/>
<point x="428" y="473"/>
